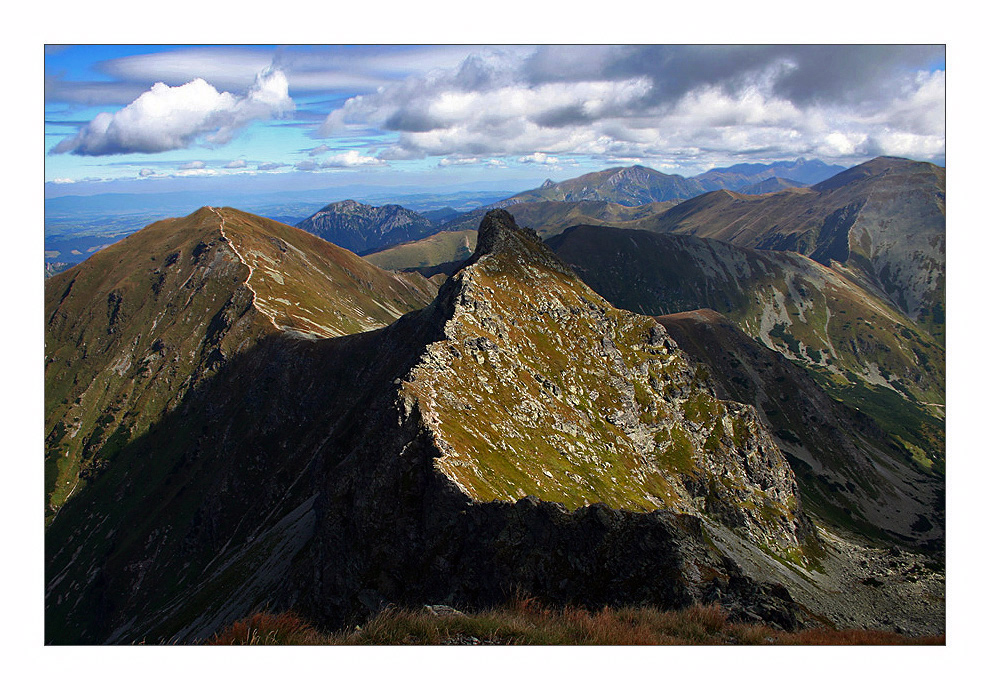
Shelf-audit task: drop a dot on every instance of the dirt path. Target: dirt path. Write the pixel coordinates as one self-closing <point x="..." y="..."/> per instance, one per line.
<point x="240" y="257"/>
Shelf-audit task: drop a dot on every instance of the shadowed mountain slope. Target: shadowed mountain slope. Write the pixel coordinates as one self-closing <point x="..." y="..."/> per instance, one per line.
<point x="133" y="329"/>
<point x="851" y="473"/>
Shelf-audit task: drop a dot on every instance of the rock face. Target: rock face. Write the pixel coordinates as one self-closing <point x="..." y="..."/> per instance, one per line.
<point x="362" y="228"/>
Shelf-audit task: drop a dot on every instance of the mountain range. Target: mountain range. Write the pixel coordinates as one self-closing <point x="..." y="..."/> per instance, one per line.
<point x="741" y="176"/>
<point x="599" y="392"/>
<point x="362" y="228"/>
<point x="241" y="416"/>
<point x="881" y="224"/>
<point x="637" y="185"/>
<point x="75" y="227"/>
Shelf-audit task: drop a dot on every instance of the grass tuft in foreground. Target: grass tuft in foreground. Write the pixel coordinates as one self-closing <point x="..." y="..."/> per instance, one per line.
<point x="526" y="622"/>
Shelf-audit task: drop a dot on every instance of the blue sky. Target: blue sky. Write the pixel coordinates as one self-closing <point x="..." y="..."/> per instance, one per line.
<point x="155" y="118"/>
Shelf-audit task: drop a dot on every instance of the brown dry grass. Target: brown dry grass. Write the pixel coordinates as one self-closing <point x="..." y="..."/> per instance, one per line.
<point x="527" y="622"/>
<point x="269" y="629"/>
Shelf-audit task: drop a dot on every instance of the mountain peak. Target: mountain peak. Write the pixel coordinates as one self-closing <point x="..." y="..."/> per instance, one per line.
<point x="362" y="228"/>
<point x="499" y="235"/>
<point x="498" y="228"/>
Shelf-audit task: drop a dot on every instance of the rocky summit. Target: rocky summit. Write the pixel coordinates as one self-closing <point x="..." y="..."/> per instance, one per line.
<point x="584" y="403"/>
<point x="518" y="435"/>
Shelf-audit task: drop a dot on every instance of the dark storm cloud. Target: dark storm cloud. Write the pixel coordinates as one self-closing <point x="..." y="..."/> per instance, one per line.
<point x="802" y="74"/>
<point x="562" y="117"/>
<point x="411" y="120"/>
<point x="850" y="73"/>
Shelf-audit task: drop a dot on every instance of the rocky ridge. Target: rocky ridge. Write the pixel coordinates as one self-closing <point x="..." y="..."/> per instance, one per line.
<point x="584" y="403"/>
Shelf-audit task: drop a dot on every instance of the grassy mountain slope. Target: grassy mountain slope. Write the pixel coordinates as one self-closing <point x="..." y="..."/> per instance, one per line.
<point x="133" y="329"/>
<point x="882" y="221"/>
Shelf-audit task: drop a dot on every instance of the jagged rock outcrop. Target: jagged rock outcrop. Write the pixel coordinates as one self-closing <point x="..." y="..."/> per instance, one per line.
<point x="540" y="387"/>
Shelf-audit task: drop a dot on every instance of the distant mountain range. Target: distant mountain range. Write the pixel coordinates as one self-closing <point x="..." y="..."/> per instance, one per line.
<point x="362" y="228"/>
<point x="77" y="226"/>
<point x="637" y="185"/>
<point x="632" y="186"/>
<point x="882" y="223"/>
<point x="745" y="175"/>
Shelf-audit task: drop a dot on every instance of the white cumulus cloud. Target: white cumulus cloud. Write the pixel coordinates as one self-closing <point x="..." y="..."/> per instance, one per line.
<point x="166" y="118"/>
<point x="350" y="159"/>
